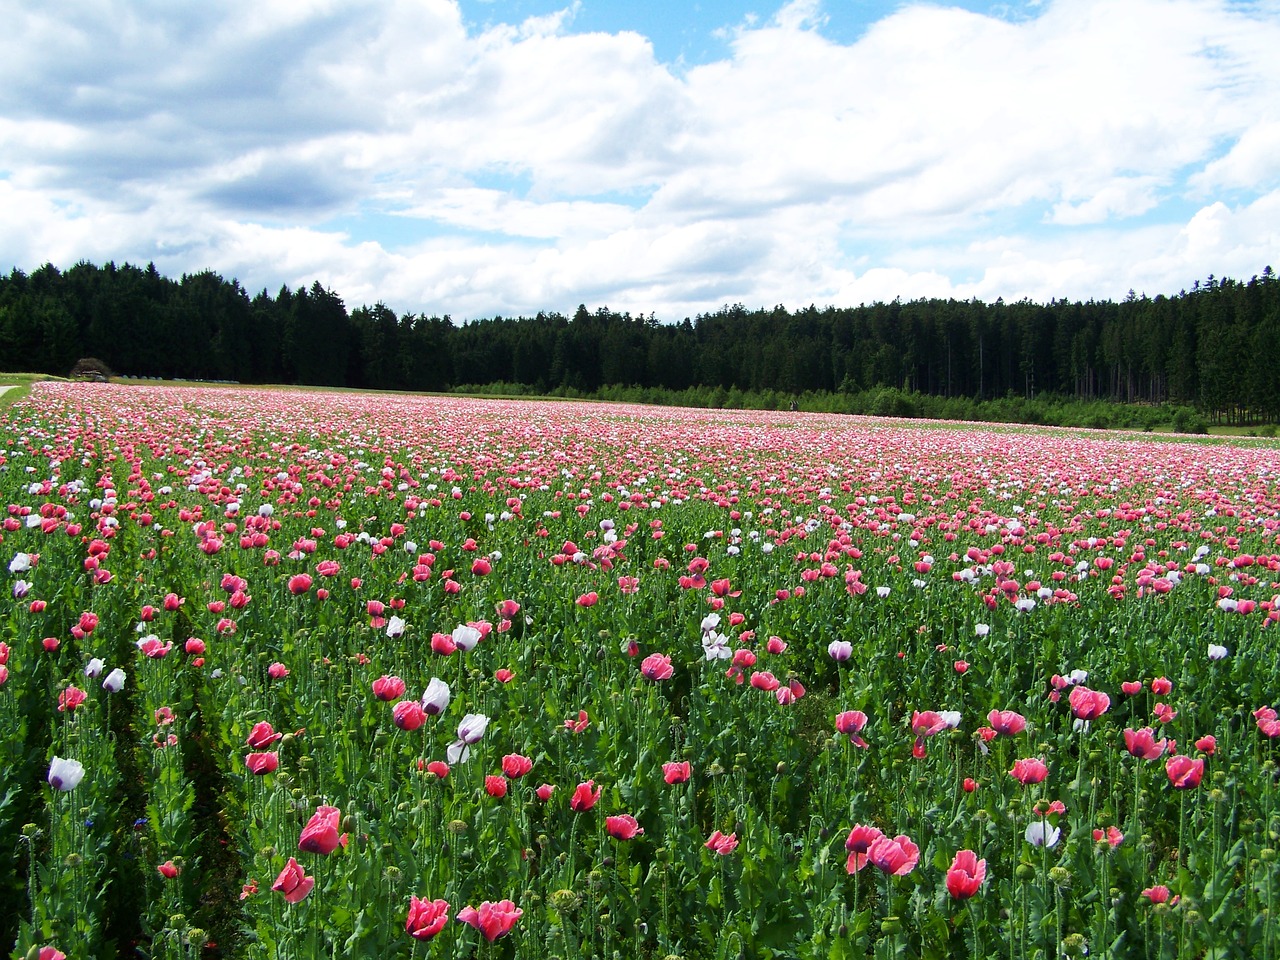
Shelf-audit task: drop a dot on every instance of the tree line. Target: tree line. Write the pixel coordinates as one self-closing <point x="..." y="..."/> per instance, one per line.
<point x="1211" y="347"/>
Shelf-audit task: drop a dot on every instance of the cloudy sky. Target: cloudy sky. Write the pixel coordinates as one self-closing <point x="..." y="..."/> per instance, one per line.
<point x="503" y="157"/>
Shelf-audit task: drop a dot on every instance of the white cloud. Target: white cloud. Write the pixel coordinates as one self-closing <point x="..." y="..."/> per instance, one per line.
<point x="1254" y="160"/>
<point x="942" y="153"/>
<point x="1122" y="197"/>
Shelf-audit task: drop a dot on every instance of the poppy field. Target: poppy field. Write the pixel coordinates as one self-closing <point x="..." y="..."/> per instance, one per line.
<point x="296" y="674"/>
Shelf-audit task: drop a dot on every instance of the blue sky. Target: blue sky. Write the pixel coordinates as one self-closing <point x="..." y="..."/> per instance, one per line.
<point x="504" y="157"/>
<point x="684" y="33"/>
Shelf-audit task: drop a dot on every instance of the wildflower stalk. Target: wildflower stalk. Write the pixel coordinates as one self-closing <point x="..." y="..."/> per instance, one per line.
<point x="1023" y="932"/>
<point x="1135" y="822"/>
<point x="1182" y="833"/>
<point x="1266" y="857"/>
<point x="1048" y="893"/>
<point x="1105" y="898"/>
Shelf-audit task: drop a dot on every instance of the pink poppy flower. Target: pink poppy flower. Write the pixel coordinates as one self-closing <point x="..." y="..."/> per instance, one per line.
<point x="720" y="844"/>
<point x="766" y="681"/>
<point x="1031" y="770"/>
<point x="1143" y="744"/>
<point x="1008" y="722"/>
<point x="514" y="765"/>
<point x="966" y="875"/>
<point x="293" y="882"/>
<point x="1088" y="704"/>
<point x="926" y="724"/>
<point x="676" y="771"/>
<point x="408" y="715"/>
<point x="493" y="920"/>
<point x="897" y="856"/>
<point x="1265" y="717"/>
<point x="1164" y="712"/>
<point x="388" y="688"/>
<point x="850" y="723"/>
<point x="1184" y="773"/>
<point x="153" y="648"/>
<point x="70" y="698"/>
<point x="657" y="666"/>
<point x="623" y="826"/>
<point x="1112" y="837"/>
<point x="262" y="735"/>
<point x="320" y="835"/>
<point x="584" y="796"/>
<point x="426" y="918"/>
<point x="261" y="763"/>
<point x="858" y="844"/>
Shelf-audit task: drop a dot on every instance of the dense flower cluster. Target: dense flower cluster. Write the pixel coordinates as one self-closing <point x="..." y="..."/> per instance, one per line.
<point x="579" y="668"/>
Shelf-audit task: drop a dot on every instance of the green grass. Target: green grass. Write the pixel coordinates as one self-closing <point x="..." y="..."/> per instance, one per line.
<point x="20" y="384"/>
